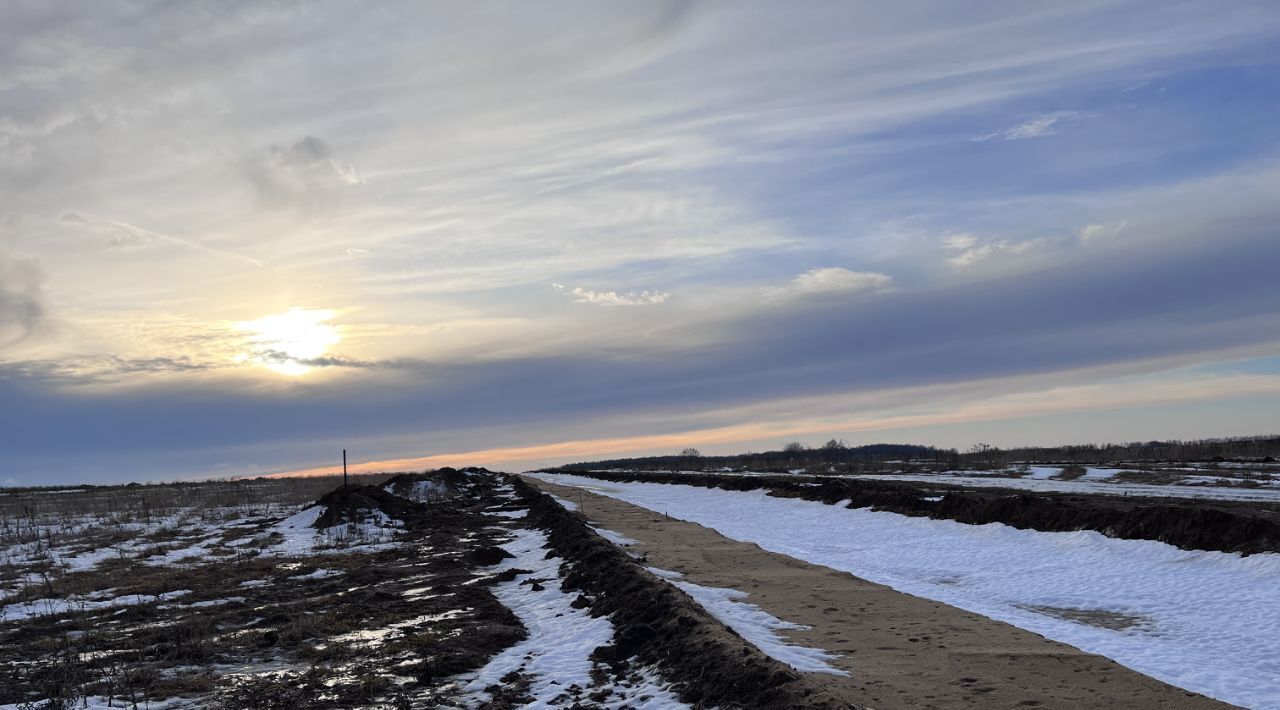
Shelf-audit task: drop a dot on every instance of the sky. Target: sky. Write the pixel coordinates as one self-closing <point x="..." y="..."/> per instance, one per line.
<point x="236" y="238"/>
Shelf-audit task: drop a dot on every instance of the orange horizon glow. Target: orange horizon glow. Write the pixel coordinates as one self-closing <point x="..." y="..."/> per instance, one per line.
<point x="1053" y="401"/>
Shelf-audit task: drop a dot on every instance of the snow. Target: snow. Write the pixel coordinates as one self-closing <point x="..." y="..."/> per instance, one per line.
<point x="616" y="538"/>
<point x="73" y="604"/>
<point x="1042" y="472"/>
<point x="317" y="574"/>
<point x="216" y="602"/>
<point x="297" y="531"/>
<point x="372" y="638"/>
<point x="102" y="703"/>
<point x="422" y="491"/>
<point x="510" y="514"/>
<point x="1205" y="621"/>
<point x="299" y="538"/>
<point x="561" y="638"/>
<point x="754" y="624"/>
<point x="566" y="504"/>
<point x="89" y="560"/>
<point x="1088" y="484"/>
<point x="556" y="655"/>
<point x="198" y="550"/>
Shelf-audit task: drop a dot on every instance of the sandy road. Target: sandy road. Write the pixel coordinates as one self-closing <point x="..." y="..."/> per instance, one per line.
<point x="901" y="651"/>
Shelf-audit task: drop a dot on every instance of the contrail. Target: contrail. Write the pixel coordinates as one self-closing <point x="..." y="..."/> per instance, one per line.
<point x="189" y="244"/>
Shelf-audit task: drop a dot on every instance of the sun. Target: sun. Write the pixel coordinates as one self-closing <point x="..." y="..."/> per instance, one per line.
<point x="289" y="343"/>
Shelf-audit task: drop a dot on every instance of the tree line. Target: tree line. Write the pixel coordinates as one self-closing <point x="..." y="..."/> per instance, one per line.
<point x="839" y="456"/>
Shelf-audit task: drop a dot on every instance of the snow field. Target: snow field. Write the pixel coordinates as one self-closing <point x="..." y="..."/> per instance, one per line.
<point x="1204" y="621"/>
<point x="1095" y="481"/>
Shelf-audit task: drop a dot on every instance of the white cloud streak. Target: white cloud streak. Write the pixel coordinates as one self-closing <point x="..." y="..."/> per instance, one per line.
<point x="613" y="298"/>
<point x="1045" y="124"/>
<point x="834" y="280"/>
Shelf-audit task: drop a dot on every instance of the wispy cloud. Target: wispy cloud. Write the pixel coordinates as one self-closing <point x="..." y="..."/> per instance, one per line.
<point x="833" y="280"/>
<point x="1045" y="124"/>
<point x="1097" y="232"/>
<point x="22" y="304"/>
<point x="613" y="298"/>
<point x="967" y="250"/>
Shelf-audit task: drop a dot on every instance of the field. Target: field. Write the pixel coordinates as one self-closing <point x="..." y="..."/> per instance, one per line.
<point x="612" y="589"/>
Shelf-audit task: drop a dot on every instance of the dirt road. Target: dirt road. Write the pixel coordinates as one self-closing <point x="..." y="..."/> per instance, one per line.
<point x="900" y="651"/>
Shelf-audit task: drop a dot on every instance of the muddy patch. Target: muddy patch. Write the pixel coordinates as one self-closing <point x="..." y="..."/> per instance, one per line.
<point x="1101" y="618"/>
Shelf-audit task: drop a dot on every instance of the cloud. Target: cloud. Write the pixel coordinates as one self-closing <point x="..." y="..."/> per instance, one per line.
<point x="833" y="280"/>
<point x="102" y="368"/>
<point x="122" y="236"/>
<point x="22" y="306"/>
<point x="304" y="173"/>
<point x="969" y="249"/>
<point x="1096" y="232"/>
<point x="1045" y="124"/>
<point x="312" y="154"/>
<point x="613" y="298"/>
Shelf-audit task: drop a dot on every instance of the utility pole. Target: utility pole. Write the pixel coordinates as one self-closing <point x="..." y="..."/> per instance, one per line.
<point x="344" y="468"/>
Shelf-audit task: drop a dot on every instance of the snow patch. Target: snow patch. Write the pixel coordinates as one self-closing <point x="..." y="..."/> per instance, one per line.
<point x="616" y="538"/>
<point x="566" y="504"/>
<point x="754" y="624"/>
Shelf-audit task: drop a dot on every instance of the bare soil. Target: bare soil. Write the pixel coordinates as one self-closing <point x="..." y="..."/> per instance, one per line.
<point x="284" y="640"/>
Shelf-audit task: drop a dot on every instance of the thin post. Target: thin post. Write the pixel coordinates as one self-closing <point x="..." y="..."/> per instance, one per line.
<point x="344" y="468"/>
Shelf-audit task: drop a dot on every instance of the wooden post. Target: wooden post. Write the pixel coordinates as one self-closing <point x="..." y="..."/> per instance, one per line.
<point x="344" y="468"/>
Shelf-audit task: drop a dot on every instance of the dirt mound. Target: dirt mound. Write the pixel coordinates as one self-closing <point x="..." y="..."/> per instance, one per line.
<point x="1224" y="526"/>
<point x="488" y="556"/>
<point x="358" y="504"/>
<point x="709" y="665"/>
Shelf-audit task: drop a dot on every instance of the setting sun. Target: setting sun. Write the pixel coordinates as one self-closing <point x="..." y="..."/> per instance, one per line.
<point x="287" y="342"/>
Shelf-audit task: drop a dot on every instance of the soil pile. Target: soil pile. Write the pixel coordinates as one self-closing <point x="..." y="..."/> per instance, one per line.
<point x="358" y="504"/>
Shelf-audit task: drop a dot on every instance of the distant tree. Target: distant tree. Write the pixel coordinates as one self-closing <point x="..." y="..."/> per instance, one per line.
<point x="691" y="453"/>
<point x="835" y="445"/>
<point x="794" y="447"/>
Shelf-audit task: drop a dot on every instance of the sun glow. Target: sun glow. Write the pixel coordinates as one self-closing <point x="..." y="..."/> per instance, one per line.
<point x="289" y="343"/>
